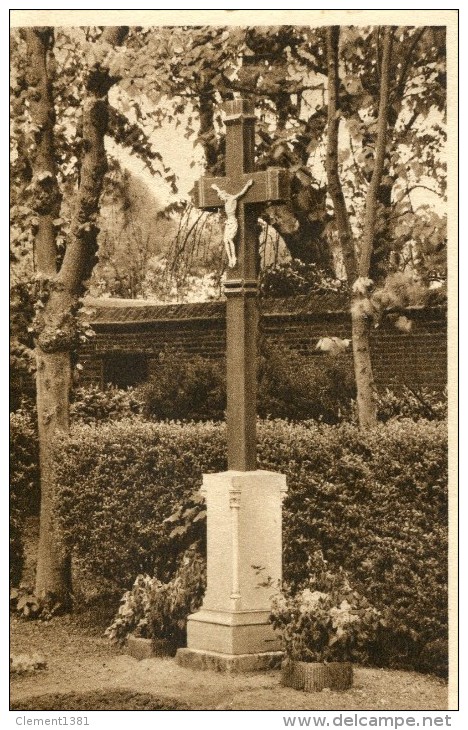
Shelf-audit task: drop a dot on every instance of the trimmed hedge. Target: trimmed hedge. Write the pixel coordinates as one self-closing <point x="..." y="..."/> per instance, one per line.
<point x="375" y="502"/>
<point x="24" y="484"/>
<point x="132" y="475"/>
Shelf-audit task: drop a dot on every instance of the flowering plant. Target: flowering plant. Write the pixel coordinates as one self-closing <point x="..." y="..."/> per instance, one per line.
<point x="324" y="619"/>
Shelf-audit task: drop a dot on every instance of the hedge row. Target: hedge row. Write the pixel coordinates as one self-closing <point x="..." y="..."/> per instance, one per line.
<point x="374" y="502"/>
<point x="24" y="484"/>
<point x="132" y="475"/>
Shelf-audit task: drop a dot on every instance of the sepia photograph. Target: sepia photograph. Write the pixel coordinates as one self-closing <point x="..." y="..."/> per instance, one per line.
<point x="233" y="363"/>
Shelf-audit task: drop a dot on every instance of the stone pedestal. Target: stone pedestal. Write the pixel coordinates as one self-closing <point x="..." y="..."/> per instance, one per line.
<point x="244" y="552"/>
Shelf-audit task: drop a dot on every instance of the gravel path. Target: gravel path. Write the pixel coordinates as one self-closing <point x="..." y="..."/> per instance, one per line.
<point x="79" y="659"/>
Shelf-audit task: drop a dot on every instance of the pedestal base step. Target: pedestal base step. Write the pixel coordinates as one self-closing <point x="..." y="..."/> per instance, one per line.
<point x="199" y="659"/>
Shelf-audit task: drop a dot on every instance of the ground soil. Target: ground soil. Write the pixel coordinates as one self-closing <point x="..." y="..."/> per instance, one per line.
<point x="80" y="661"/>
<point x="85" y="672"/>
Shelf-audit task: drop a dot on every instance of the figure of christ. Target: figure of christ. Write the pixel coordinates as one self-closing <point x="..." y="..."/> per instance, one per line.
<point x="232" y="224"/>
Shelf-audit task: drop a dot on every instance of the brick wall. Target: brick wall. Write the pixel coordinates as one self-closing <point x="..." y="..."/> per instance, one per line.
<point x="417" y="358"/>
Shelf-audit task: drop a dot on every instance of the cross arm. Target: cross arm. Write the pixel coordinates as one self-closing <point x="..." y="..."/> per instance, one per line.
<point x="269" y="186"/>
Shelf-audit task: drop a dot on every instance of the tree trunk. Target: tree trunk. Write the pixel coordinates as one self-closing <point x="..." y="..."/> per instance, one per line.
<point x="53" y="381"/>
<point x="55" y="322"/>
<point x="360" y="324"/>
<point x="301" y="224"/>
<point x="370" y="215"/>
<point x="53" y="369"/>
<point x="46" y="194"/>
<point x="361" y="310"/>
<point x="365" y="386"/>
<point x="80" y="254"/>
<point x="358" y="268"/>
<point x="335" y="187"/>
<point x="207" y="132"/>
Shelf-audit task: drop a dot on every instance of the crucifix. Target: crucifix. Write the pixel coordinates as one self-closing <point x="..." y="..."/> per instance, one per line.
<point x="231" y="630"/>
<point x="239" y="193"/>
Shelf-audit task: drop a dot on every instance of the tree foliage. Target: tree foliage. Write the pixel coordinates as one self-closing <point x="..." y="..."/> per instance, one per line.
<point x="179" y="76"/>
<point x="192" y="70"/>
<point x="384" y="166"/>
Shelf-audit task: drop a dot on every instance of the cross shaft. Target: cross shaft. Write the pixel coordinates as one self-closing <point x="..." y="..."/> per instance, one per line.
<point x="241" y="284"/>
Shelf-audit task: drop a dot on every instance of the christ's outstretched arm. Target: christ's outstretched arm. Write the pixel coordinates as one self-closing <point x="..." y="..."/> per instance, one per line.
<point x="244" y="189"/>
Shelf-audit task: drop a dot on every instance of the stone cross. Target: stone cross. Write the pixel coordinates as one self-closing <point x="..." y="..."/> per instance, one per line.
<point x="239" y="193"/>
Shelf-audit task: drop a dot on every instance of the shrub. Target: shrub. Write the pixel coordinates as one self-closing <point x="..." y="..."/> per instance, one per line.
<point x="132" y="475"/>
<point x="133" y="614"/>
<point x="187" y="525"/>
<point x="415" y="403"/>
<point x="91" y="404"/>
<point x="300" y="388"/>
<point x="16" y="543"/>
<point x="24" y="460"/>
<point x="184" y="595"/>
<point x="294" y="277"/>
<point x="289" y="386"/>
<point x="374" y="502"/>
<point x="24" y="484"/>
<point x="22" y="360"/>
<point x="184" y="389"/>
<point x="325" y="620"/>
<point x="156" y="610"/>
<point x="24" y="602"/>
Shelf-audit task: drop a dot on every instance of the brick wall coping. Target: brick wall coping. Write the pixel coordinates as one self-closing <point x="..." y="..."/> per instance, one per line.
<point x="117" y="312"/>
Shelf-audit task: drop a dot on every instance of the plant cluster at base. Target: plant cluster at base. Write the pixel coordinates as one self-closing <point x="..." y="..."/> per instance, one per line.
<point x="325" y="619"/>
<point x="155" y="610"/>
